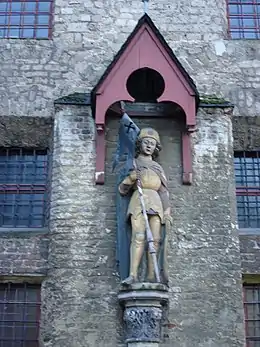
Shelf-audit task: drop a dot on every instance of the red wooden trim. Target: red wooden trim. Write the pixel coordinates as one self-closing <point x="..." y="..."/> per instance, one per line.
<point x="100" y="154"/>
<point x="247" y="191"/>
<point x="145" y="50"/>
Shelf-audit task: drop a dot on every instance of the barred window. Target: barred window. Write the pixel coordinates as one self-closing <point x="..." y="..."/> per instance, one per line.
<point x="244" y="19"/>
<point x="252" y="314"/>
<point x="23" y="187"/>
<point x="247" y="172"/>
<point x="19" y="315"/>
<point x="26" y="19"/>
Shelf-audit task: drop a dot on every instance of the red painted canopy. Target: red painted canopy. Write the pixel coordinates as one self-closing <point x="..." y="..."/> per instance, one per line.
<point x="145" y="48"/>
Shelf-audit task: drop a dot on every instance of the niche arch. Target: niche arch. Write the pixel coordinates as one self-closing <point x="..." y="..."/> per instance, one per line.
<point x="144" y="51"/>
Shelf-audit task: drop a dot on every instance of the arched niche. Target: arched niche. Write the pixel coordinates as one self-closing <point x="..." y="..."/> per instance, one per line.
<point x="145" y="53"/>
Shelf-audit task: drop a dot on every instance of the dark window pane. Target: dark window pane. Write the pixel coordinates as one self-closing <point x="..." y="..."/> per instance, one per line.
<point x="29" y="20"/>
<point x="16" y="6"/>
<point x="3" y="6"/>
<point x="248" y="9"/>
<point x="14" y="19"/>
<point x="13" y="32"/>
<point x="19" y="314"/>
<point x="27" y="33"/>
<point x="249" y="22"/>
<point x="44" y="6"/>
<point x="250" y="35"/>
<point x="233" y="9"/>
<point x="234" y="22"/>
<point x="43" y="20"/>
<point x="30" y="6"/>
<point x="236" y="34"/>
<point x="252" y="314"/>
<point x="2" y="33"/>
<point x="3" y="20"/>
<point x="248" y="210"/>
<point x="23" y="178"/>
<point x="41" y="32"/>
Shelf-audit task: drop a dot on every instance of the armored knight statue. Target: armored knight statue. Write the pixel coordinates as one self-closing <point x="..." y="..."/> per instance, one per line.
<point x="151" y="177"/>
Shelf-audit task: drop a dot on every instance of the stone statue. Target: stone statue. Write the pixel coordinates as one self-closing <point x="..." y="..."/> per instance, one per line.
<point x="156" y="199"/>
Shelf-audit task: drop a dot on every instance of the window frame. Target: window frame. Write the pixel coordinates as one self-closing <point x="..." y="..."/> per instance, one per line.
<point x="21" y="188"/>
<point x="247" y="190"/>
<point x="241" y="29"/>
<point x="21" y="26"/>
<point x="250" y="282"/>
<point x="20" y="307"/>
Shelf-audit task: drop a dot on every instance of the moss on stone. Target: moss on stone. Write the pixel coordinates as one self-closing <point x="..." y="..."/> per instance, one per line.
<point x="212" y="100"/>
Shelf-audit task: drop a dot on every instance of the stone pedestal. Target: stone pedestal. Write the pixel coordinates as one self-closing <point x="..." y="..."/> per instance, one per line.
<point x="144" y="306"/>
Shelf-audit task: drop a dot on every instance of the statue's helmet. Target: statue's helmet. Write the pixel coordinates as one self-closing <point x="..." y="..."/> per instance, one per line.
<point x="151" y="133"/>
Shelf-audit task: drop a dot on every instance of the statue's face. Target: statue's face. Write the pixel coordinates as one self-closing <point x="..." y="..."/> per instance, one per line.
<point x="148" y="146"/>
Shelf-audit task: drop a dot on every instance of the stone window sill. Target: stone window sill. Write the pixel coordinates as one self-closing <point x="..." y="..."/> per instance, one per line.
<point x="249" y="231"/>
<point x="22" y="232"/>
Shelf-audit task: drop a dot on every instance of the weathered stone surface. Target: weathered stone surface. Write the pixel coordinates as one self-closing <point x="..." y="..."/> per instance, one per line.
<point x="80" y="293"/>
<point x="250" y="253"/>
<point x="87" y="35"/>
<point x="23" y="253"/>
<point x="30" y="132"/>
<point x="246" y="133"/>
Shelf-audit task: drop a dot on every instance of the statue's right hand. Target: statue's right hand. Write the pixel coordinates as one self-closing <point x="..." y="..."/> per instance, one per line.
<point x="133" y="176"/>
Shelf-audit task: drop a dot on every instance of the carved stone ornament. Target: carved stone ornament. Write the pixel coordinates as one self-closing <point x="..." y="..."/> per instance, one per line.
<point x="143" y="324"/>
<point x="145" y="306"/>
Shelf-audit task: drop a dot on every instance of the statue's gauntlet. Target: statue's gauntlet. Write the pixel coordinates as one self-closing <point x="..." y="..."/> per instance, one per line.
<point x="125" y="186"/>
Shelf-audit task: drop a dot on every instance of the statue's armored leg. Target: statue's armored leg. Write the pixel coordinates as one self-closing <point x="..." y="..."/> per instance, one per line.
<point x="137" y="247"/>
<point x="155" y="224"/>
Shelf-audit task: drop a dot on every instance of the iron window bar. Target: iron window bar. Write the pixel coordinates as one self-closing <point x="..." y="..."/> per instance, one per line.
<point x="251" y="294"/>
<point x="19" y="315"/>
<point x="247" y="176"/>
<point x="243" y="19"/>
<point x="23" y="187"/>
<point x="26" y="19"/>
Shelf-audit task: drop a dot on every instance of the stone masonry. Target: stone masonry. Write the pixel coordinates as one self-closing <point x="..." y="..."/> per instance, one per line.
<point x="76" y="256"/>
<point x="80" y="293"/>
<point x="87" y="34"/>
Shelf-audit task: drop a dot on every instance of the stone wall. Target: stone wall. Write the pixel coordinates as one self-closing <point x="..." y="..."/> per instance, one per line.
<point x="250" y="253"/>
<point x="87" y="34"/>
<point x="24" y="251"/>
<point x="79" y="296"/>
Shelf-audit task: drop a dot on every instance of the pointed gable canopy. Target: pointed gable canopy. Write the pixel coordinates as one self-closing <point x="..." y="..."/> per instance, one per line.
<point x="144" y="48"/>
